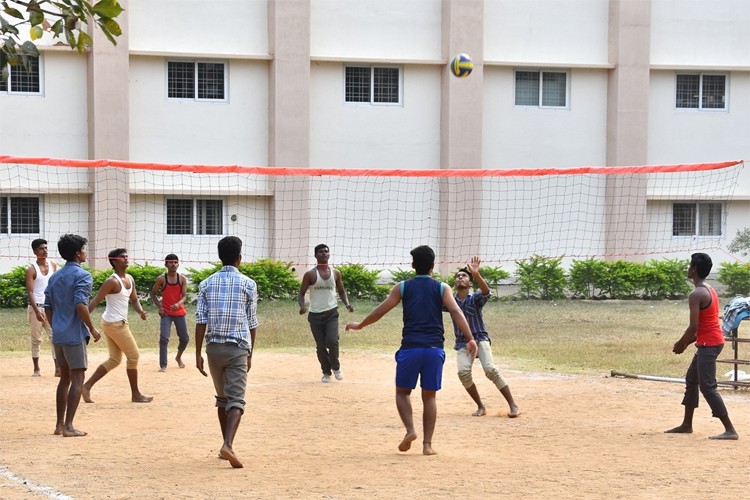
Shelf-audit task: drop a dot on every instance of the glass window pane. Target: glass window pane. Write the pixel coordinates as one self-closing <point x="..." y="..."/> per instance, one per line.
<point x="554" y="89"/>
<point x="209" y="213"/>
<point x="357" y="84"/>
<point x="687" y="91"/>
<point x="683" y="219"/>
<point x="210" y="81"/>
<point x="386" y="85"/>
<point x="24" y="215"/>
<point x="23" y="81"/>
<point x="181" y="80"/>
<point x="709" y="215"/>
<point x="714" y="92"/>
<point x="3" y="215"/>
<point x="527" y="88"/>
<point x="179" y="216"/>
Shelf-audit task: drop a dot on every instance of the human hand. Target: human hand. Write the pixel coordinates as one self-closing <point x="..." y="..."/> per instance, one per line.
<point x="353" y="326"/>
<point x="40" y="317"/>
<point x="678" y="348"/>
<point x="95" y="334"/>
<point x="199" y="364"/>
<point x="303" y="309"/>
<point x="161" y="312"/>
<point x="471" y="348"/>
<point x="143" y="314"/>
<point x="174" y="306"/>
<point x="473" y="264"/>
<point x="249" y="362"/>
<point x="350" y="308"/>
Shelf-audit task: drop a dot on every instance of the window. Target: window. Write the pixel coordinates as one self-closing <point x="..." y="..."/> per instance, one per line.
<point x="21" y="81"/>
<point x="696" y="219"/>
<point x="19" y="215"/>
<point x="373" y="85"/>
<point x="196" y="80"/>
<point x="195" y="216"/>
<point x="701" y="91"/>
<point x="546" y="89"/>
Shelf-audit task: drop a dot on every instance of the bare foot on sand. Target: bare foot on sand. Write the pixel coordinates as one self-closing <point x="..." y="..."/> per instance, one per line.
<point x="427" y="448"/>
<point x="228" y="454"/>
<point x="406" y="442"/>
<point x="59" y="429"/>
<point x="514" y="412"/>
<point x="178" y="359"/>
<point x="481" y="411"/>
<point x="727" y="436"/>
<point x="680" y="429"/>
<point x="86" y="394"/>
<point x="142" y="399"/>
<point x="72" y="432"/>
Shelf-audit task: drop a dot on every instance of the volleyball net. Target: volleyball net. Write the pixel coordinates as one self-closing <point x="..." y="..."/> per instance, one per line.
<point x="369" y="217"/>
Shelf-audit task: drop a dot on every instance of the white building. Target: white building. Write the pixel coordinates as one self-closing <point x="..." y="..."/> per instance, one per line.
<point x="557" y="83"/>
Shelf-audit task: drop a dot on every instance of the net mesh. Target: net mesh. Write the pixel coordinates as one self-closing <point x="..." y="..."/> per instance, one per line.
<point x="365" y="216"/>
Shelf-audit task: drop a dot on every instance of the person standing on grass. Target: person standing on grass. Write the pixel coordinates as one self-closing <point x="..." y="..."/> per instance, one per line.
<point x="324" y="281"/>
<point x="471" y="305"/>
<point x="66" y="301"/>
<point x="704" y="329"/>
<point x="37" y="277"/>
<point x="225" y="317"/>
<point x="119" y="289"/>
<point x="421" y="355"/>
<point x="173" y="289"/>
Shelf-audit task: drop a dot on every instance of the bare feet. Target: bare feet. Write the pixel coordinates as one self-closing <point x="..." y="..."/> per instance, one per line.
<point x="427" y="448"/>
<point x="72" y="432"/>
<point x="86" y="394"/>
<point x="406" y="442"/>
<point x="59" y="429"/>
<point x="680" y="429"/>
<point x="727" y="436"/>
<point x="178" y="359"/>
<point x="228" y="454"/>
<point x="140" y="398"/>
<point x="514" y="412"/>
<point x="481" y="411"/>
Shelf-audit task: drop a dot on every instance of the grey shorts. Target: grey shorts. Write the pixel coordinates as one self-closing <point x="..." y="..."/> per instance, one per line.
<point x="228" y="366"/>
<point x="73" y="357"/>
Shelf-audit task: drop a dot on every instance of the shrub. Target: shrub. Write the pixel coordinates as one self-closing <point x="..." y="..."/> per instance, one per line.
<point x="587" y="278"/>
<point x="144" y="276"/>
<point x="13" y="288"/>
<point x="665" y="279"/>
<point x="741" y="242"/>
<point x="402" y="275"/>
<point x="736" y="277"/>
<point x="623" y="279"/>
<point x="276" y="280"/>
<point x="359" y="282"/>
<point x="541" y="278"/>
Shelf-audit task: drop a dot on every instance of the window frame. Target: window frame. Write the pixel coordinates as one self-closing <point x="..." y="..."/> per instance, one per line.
<point x="700" y="107"/>
<point x="372" y="68"/>
<point x="40" y="76"/>
<point x="540" y="97"/>
<point x="699" y="217"/>
<point x="198" y="224"/>
<point x="6" y="215"/>
<point x="196" y="79"/>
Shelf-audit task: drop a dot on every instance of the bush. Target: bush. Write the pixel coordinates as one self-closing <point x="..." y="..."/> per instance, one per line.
<point x="665" y="279"/>
<point x="402" y="275"/>
<point x="541" y="278"/>
<point x="13" y="288"/>
<point x="741" y="242"/>
<point x="587" y="278"/>
<point x="276" y="280"/>
<point x="144" y="276"/>
<point x="623" y="279"/>
<point x="736" y="277"/>
<point x="359" y="282"/>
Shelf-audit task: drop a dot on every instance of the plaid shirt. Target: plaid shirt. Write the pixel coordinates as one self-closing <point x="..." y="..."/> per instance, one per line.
<point x="226" y="305"/>
<point x="472" y="309"/>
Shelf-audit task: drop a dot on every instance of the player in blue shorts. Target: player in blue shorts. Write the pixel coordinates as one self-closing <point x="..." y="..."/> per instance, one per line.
<point x="421" y="355"/>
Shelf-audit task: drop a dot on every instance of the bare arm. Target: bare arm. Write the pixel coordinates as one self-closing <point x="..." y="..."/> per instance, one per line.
<point x="473" y="266"/>
<point x="381" y="310"/>
<point x="183" y="296"/>
<point x="459" y="319"/>
<point x="307" y="280"/>
<point x="342" y="292"/>
<point x="30" y="277"/>
<point x="155" y="291"/>
<point x="694" y="302"/>
<point x="83" y="312"/>
<point x="107" y="287"/>
<point x="200" y="333"/>
<point x="252" y="349"/>
<point x="134" y="299"/>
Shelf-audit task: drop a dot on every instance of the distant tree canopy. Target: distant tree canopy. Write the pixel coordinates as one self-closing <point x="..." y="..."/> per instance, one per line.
<point x="64" y="19"/>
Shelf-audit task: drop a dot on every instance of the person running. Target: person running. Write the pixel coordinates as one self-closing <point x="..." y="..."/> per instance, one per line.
<point x="471" y="305"/>
<point x="173" y="289"/>
<point x="421" y="355"/>
<point x="66" y="301"/>
<point x="704" y="329"/>
<point x="37" y="277"/>
<point x="225" y="317"/>
<point x="324" y="281"/>
<point x="119" y="289"/>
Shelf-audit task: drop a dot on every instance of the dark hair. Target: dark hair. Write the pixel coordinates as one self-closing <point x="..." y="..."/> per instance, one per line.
<point x="230" y="247"/>
<point x="321" y="247"/>
<point x="702" y="263"/>
<point x="114" y="254"/>
<point x="423" y="259"/>
<point x="37" y="243"/>
<point x="170" y="257"/>
<point x="465" y="270"/>
<point x="69" y="245"/>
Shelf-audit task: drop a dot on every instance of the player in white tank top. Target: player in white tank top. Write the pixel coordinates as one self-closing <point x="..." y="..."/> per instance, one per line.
<point x="37" y="277"/>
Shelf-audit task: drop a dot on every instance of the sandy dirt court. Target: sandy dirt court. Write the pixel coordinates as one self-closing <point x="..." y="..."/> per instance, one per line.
<point x="577" y="437"/>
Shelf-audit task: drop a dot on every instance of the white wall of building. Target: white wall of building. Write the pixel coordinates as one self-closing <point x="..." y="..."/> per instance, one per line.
<point x="346" y="135"/>
<point x="386" y="29"/>
<point x="199" y="132"/>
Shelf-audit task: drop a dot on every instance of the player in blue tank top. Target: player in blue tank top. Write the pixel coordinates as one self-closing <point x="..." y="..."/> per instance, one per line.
<point x="421" y="355"/>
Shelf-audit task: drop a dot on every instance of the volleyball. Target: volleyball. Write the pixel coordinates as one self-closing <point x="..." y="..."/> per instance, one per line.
<point x="461" y="65"/>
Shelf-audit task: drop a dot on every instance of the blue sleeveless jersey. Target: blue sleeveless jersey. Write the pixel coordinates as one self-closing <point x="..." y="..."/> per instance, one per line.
<point x="422" y="301"/>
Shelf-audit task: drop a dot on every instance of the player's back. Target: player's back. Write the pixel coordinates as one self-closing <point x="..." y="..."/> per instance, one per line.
<point x="422" y="302"/>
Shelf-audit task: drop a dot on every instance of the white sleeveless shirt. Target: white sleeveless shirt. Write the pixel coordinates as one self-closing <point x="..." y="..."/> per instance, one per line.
<point x="40" y="283"/>
<point x="117" y="303"/>
<point x="323" y="293"/>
